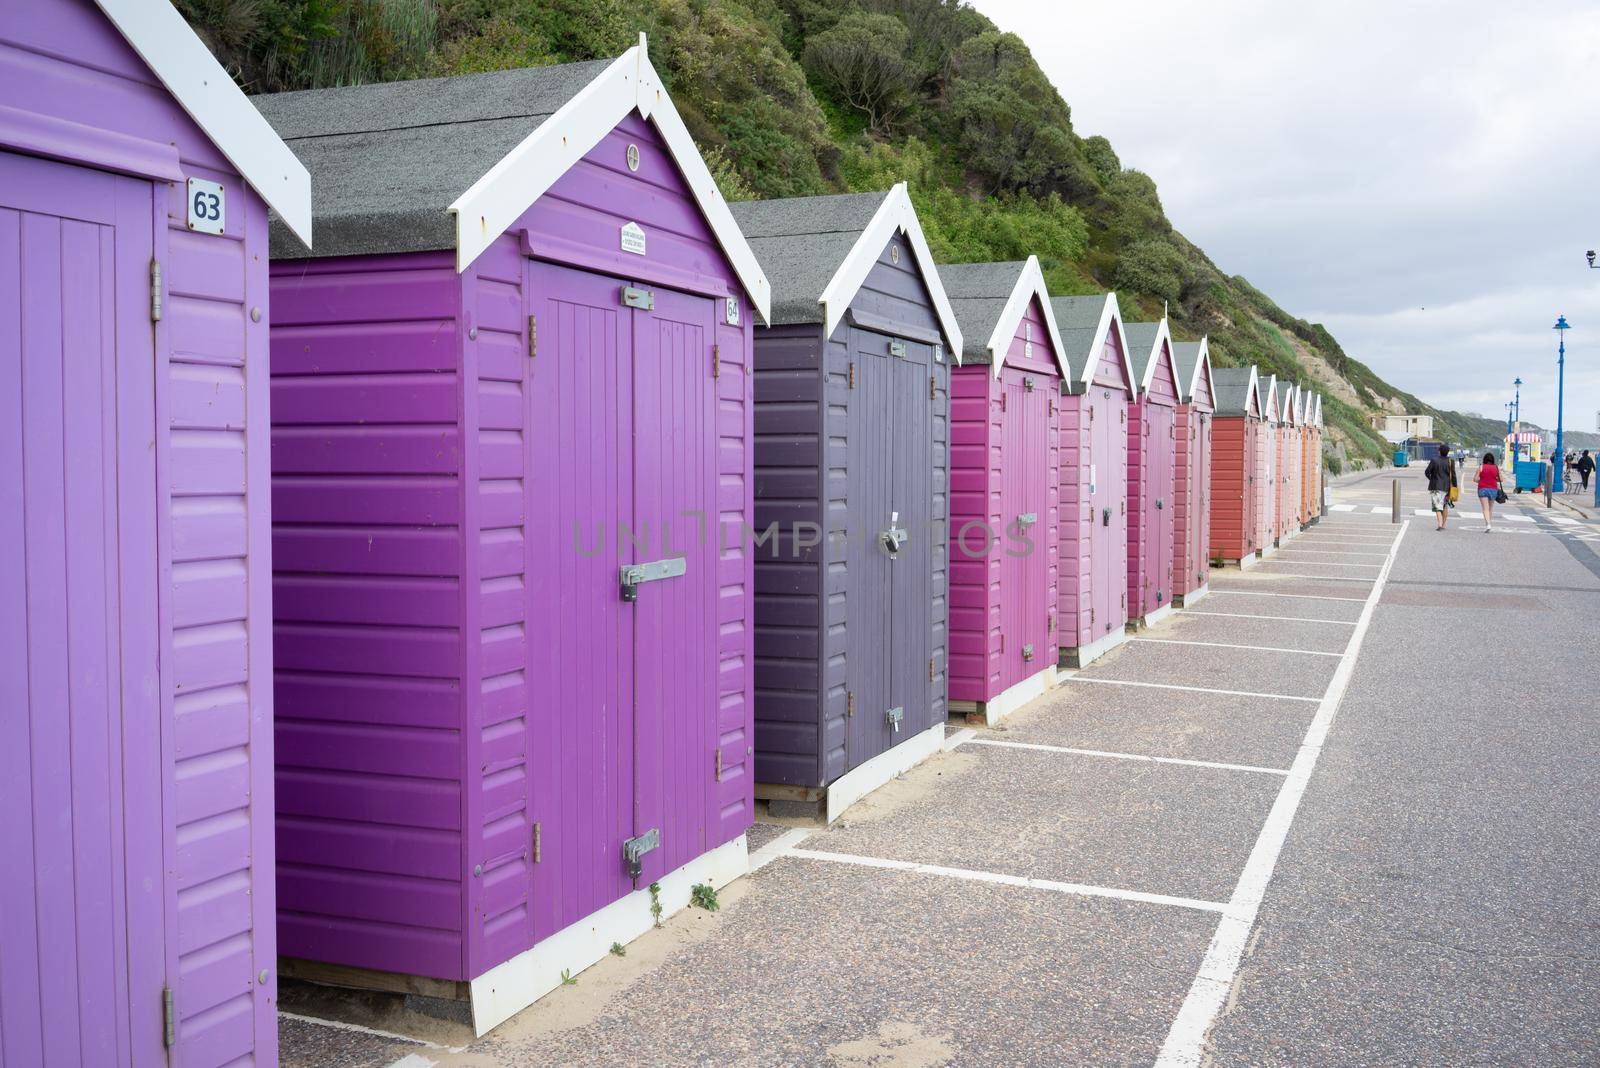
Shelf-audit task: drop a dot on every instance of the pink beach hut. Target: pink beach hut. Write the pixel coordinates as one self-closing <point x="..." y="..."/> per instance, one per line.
<point x="1191" y="557"/>
<point x="1152" y="452"/>
<point x="1268" y="466"/>
<point x="136" y="795"/>
<point x="1004" y="487"/>
<point x="1094" y="479"/>
<point x="512" y="481"/>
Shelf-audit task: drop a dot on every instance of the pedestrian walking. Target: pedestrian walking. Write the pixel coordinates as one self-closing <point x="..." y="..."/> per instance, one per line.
<point x="1489" y="491"/>
<point x="1585" y="468"/>
<point x="1440" y="476"/>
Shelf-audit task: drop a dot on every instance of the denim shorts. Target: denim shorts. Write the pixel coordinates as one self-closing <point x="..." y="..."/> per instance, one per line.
<point x="1488" y="494"/>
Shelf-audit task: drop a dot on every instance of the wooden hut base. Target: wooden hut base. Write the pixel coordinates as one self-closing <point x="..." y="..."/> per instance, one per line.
<point x="988" y="713"/>
<point x="1084" y="655"/>
<point x="1193" y="597"/>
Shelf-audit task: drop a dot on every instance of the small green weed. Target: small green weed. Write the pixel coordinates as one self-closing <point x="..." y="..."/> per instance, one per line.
<point x="703" y="897"/>
<point x="566" y="977"/>
<point x="655" y="903"/>
<point x="618" y="949"/>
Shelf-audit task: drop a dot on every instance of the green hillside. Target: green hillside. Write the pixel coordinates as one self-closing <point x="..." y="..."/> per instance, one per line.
<point x="793" y="97"/>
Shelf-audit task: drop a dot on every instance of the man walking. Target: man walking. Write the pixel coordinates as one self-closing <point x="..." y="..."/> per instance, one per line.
<point x="1438" y="472"/>
<point x="1585" y="468"/>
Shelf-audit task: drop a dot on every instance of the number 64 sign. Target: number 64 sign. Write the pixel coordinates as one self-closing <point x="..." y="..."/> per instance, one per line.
<point x="207" y="209"/>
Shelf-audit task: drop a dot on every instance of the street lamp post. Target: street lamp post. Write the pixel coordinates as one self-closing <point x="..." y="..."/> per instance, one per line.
<point x="1511" y="443"/>
<point x="1557" y="475"/>
<point x="1516" y="425"/>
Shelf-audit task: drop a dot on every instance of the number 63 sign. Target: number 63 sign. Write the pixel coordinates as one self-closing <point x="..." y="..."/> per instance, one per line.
<point x="207" y="209"/>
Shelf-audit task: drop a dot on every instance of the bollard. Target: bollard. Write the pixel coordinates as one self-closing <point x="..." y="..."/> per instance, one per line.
<point x="1394" y="504"/>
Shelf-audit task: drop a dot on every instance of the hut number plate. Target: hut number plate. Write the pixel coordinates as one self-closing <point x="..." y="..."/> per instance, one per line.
<point x="633" y="238"/>
<point x="207" y="208"/>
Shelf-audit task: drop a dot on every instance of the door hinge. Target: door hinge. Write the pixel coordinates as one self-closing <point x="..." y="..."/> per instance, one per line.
<point x="1002" y="641"/>
<point x="849" y="703"/>
<point x="719" y="763"/>
<point x="1091" y="615"/>
<point x="933" y="388"/>
<point x="155" y="291"/>
<point x="931" y="672"/>
<point x="533" y="337"/>
<point x="716" y="361"/>
<point x="538" y="842"/>
<point x="852" y="374"/>
<point x="1002" y="402"/>
<point x="1049" y="623"/>
<point x="169" y="1018"/>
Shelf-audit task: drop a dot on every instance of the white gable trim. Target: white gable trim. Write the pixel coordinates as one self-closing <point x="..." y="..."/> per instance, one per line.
<point x="629" y="84"/>
<point x="155" y="30"/>
<point x="1253" y="398"/>
<point x="1270" y="412"/>
<point x="1163" y="335"/>
<point x="1202" y="364"/>
<point x="1030" y="284"/>
<point x="1318" y="419"/>
<point x="895" y="215"/>
<point x="1110" y="319"/>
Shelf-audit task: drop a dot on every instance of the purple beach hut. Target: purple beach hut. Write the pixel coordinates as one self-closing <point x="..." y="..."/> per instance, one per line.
<point x="511" y="477"/>
<point x="136" y="904"/>
<point x="852" y="390"/>
<point x="1152" y="458"/>
<point x="1005" y="488"/>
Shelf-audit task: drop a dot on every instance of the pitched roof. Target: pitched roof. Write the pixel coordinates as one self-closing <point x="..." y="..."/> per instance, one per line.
<point x="155" y="30"/>
<point x="1193" y="358"/>
<point x="1144" y="341"/>
<point x="817" y="252"/>
<point x="1267" y="392"/>
<point x="1233" y="386"/>
<point x="450" y="163"/>
<point x="990" y="299"/>
<point x="1084" y="323"/>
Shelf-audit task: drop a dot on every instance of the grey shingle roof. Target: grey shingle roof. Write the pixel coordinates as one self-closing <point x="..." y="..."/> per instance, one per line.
<point x="1265" y="383"/>
<point x="1186" y="354"/>
<point x="1141" y="346"/>
<point x="801" y="242"/>
<point x="978" y="293"/>
<point x="1233" y="390"/>
<point x="387" y="160"/>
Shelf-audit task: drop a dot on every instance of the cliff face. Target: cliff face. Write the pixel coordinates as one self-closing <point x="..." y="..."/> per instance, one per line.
<point x="791" y="97"/>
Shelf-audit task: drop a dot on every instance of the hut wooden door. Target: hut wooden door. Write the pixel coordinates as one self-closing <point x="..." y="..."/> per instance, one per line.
<point x="1160" y="426"/>
<point x="911" y="570"/>
<point x="1024" y="608"/>
<point x="84" y="909"/>
<point x="1107" y="540"/>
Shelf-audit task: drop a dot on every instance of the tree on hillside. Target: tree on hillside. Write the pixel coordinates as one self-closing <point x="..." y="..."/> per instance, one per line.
<point x="863" y="59"/>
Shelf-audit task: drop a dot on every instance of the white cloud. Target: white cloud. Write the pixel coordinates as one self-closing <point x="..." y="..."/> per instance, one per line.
<point x="1365" y="160"/>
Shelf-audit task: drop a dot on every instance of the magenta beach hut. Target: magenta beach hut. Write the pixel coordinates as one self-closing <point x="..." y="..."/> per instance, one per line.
<point x="1004" y="488"/>
<point x="1152" y="456"/>
<point x="511" y="479"/>
<point x="1093" y="595"/>
<point x="852" y="394"/>
<point x="1191" y="522"/>
<point x="136" y="909"/>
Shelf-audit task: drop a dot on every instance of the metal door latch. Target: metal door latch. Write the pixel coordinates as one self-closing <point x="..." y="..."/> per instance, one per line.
<point x="642" y="299"/>
<point x="634" y="574"/>
<point x="893" y="537"/>
<point x="1105" y="517"/>
<point x="1027" y="652"/>
<point x="1027" y="519"/>
<point x="1161" y="502"/>
<point x="634" y="849"/>
<point x="895" y="716"/>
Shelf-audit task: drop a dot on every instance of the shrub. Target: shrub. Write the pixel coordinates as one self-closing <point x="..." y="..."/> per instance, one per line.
<point x="863" y="60"/>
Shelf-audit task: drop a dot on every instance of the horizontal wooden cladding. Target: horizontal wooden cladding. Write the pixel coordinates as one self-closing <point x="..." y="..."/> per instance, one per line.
<point x="365" y="348"/>
<point x="389" y="450"/>
<point x="367" y="550"/>
<point x="380" y="699"/>
<point x="432" y="952"/>
<point x="353" y="292"/>
<point x="420" y="500"/>
<point x="369" y="748"/>
<point x="417" y="652"/>
<point x="365" y="399"/>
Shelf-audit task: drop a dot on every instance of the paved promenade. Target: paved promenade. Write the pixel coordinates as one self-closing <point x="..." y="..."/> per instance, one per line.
<point x="1345" y="809"/>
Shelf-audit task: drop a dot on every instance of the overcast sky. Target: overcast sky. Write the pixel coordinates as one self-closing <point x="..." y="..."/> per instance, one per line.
<point x="1422" y="177"/>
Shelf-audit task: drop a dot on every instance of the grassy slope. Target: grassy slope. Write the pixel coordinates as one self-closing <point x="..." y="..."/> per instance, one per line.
<point x="969" y="120"/>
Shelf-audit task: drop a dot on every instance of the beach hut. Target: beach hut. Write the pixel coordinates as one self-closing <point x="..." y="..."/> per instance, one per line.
<point x="136" y="910"/>
<point x="1005" y="488"/>
<point x="1152" y="453"/>
<point x="1314" y="462"/>
<point x="1093" y="594"/>
<point x="1235" y="466"/>
<point x="1289" y="463"/>
<point x="511" y="483"/>
<point x="852" y="395"/>
<point x="1268" y="467"/>
<point x="1191" y="476"/>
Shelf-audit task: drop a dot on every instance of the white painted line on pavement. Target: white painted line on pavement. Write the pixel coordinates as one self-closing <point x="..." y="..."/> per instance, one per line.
<point x="1226" y="645"/>
<point x="414" y="1060"/>
<point x="1185" y="1044"/>
<point x="1321" y="563"/>
<point x="340" y="1025"/>
<point x="1563" y="520"/>
<point x="1257" y="573"/>
<point x="780" y="846"/>
<point x="1187" y="689"/>
<point x="1329" y="552"/>
<point x="1341" y="508"/>
<point x="1295" y="596"/>
<point x="1080" y="889"/>
<point x="958" y="738"/>
<point x="1286" y="619"/>
<point x="1128" y="756"/>
<point x="1511" y="517"/>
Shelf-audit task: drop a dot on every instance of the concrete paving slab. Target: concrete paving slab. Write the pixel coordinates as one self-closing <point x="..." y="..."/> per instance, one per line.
<point x="1129" y="719"/>
<point x="1271" y="633"/>
<point x="827" y="964"/>
<point x="1153" y="828"/>
<point x="1305" y="587"/>
<point x="1222" y="669"/>
<point x="303" y="1044"/>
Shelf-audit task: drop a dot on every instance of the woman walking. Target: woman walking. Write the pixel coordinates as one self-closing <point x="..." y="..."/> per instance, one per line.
<point x="1488" y="489"/>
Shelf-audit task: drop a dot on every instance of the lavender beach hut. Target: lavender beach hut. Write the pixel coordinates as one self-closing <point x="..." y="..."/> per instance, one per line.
<point x="136" y="905"/>
<point x="852" y="393"/>
<point x="511" y="475"/>
<point x="1005" y="488"/>
<point x="1093" y="553"/>
<point x="1152" y="456"/>
<point x="1191" y="545"/>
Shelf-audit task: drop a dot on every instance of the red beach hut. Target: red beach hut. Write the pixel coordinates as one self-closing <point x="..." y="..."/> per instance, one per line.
<point x="1191" y="559"/>
<point x="511" y="489"/>
<point x="1093" y="598"/>
<point x="1152" y="450"/>
<point x="136" y="906"/>
<point x="1235" y="466"/>
<point x="1004" y="488"/>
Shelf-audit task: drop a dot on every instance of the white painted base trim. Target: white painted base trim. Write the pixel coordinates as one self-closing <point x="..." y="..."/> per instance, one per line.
<point x="1084" y="655"/>
<point x="1194" y="596"/>
<point x="1250" y="561"/>
<point x="1008" y="701"/>
<point x="1268" y="550"/>
<point x="857" y="783"/>
<point x="507" y="989"/>
<point x="1150" y="619"/>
